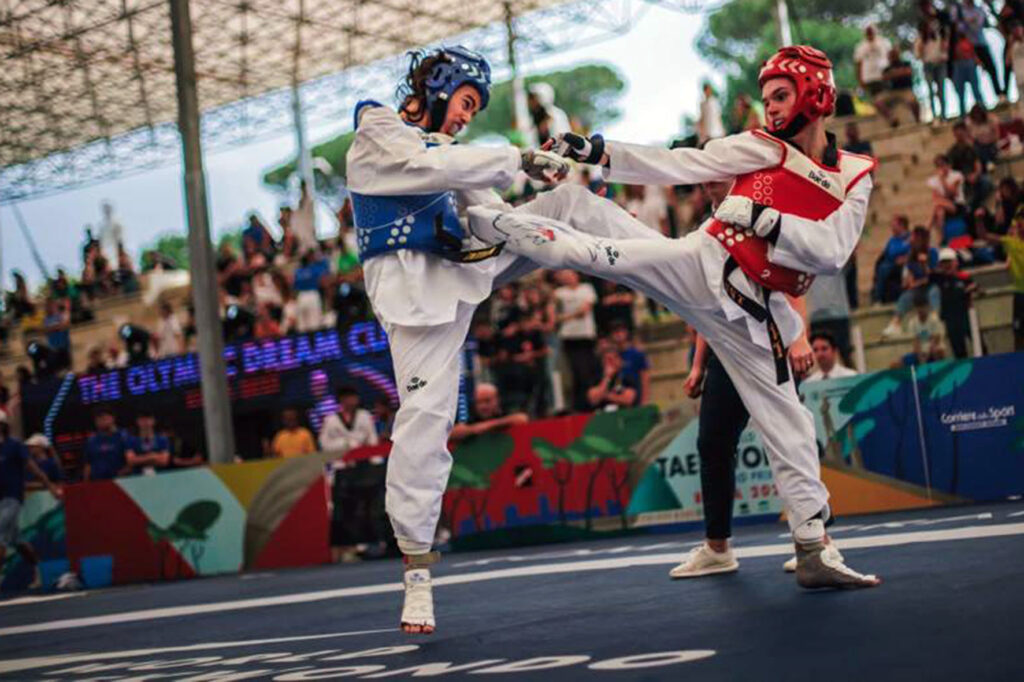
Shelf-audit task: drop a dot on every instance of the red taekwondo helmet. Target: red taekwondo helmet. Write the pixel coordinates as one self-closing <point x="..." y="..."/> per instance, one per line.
<point x="811" y="72"/>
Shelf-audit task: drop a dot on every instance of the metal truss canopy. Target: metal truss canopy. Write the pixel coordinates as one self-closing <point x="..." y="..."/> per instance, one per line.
<point x="87" y="89"/>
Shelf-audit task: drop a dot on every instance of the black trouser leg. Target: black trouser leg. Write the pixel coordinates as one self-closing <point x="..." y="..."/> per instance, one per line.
<point x="580" y="353"/>
<point x="722" y="419"/>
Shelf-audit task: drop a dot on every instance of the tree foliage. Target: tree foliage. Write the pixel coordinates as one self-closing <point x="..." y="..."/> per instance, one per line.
<point x="174" y="246"/>
<point x="741" y="34"/>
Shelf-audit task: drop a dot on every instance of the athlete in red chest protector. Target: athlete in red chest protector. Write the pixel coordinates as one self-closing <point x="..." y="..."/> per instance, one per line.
<point x="796" y="209"/>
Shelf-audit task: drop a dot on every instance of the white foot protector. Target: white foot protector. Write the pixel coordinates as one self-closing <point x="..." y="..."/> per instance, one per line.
<point x="418" y="610"/>
<point x="830" y="550"/>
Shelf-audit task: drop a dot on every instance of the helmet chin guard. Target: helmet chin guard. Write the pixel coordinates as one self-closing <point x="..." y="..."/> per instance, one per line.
<point x="810" y="71"/>
<point x="459" y="66"/>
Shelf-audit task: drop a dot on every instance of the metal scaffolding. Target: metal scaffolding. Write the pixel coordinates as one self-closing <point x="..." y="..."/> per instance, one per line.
<point x="87" y="88"/>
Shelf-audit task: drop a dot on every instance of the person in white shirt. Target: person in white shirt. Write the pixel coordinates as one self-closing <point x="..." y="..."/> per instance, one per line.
<point x="577" y="332"/>
<point x="710" y="125"/>
<point x="871" y="57"/>
<point x="304" y="220"/>
<point x="350" y="427"/>
<point x="948" y="198"/>
<point x="826" y="357"/>
<point x="170" y="339"/>
<point x="111" y="233"/>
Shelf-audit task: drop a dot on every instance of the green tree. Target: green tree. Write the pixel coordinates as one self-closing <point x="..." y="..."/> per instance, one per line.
<point x="475" y="461"/>
<point x="741" y="34"/>
<point x="588" y="92"/>
<point x="173" y="245"/>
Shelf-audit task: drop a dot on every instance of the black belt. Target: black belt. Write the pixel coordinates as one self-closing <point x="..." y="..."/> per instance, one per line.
<point x="453" y="246"/>
<point x="761" y="314"/>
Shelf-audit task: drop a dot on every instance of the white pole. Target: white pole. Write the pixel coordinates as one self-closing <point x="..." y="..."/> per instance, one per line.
<point x="972" y="316"/>
<point x="859" y="362"/>
<point x="785" y="32"/>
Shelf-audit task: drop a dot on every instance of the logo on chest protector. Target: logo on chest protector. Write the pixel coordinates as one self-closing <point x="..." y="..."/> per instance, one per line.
<point x="820" y="179"/>
<point x="414" y="384"/>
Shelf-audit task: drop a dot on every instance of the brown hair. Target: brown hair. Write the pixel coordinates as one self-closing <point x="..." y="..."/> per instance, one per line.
<point x="412" y="91"/>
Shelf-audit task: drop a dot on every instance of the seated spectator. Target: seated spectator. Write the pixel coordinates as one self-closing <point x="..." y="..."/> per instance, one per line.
<point x="871" y="57"/>
<point x="383" y="417"/>
<point x="889" y="267"/>
<point x="231" y="273"/>
<point x="854" y="143"/>
<point x="46" y="459"/>
<point x="147" y="451"/>
<point x="350" y="427"/>
<point x="827" y="364"/>
<point x="955" y="289"/>
<point x="920" y="262"/>
<point x="105" y="449"/>
<point x="293" y="440"/>
<point x="309" y="280"/>
<point x="983" y="128"/>
<point x="949" y="204"/>
<point x="256" y="239"/>
<point x="635" y="365"/>
<point x="97" y="360"/>
<point x="154" y="261"/>
<point x="926" y="331"/>
<point x="963" y="157"/>
<point x="898" y="76"/>
<point x="169" y="339"/>
<point x="57" y="325"/>
<point x="349" y="303"/>
<point x="1008" y="200"/>
<point x="266" y="326"/>
<point x="615" y="390"/>
<point x="190" y="456"/>
<point x="486" y="415"/>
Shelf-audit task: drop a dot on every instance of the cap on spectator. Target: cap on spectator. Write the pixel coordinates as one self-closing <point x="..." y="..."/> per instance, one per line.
<point x="946" y="253"/>
<point x="38" y="439"/>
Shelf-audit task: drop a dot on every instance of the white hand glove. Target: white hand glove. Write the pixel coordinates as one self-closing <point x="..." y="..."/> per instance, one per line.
<point x="544" y="166"/>
<point x="744" y="213"/>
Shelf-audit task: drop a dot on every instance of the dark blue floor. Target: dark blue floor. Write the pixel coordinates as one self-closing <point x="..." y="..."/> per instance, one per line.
<point x="949" y="610"/>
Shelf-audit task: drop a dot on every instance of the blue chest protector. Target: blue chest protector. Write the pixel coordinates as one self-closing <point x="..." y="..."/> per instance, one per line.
<point x="422" y="222"/>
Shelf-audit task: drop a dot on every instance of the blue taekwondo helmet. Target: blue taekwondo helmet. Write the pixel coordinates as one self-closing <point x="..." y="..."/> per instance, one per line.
<point x="462" y="66"/>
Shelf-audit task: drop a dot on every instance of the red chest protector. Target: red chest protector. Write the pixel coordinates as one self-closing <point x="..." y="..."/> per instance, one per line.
<point x="797" y="186"/>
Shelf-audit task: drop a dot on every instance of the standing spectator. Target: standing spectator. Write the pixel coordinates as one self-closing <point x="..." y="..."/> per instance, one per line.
<point x="870" y="57"/>
<point x="486" y="415"/>
<point x="231" y="272"/>
<point x="828" y="310"/>
<point x="528" y="355"/>
<point x="932" y="48"/>
<point x="256" y="239"/>
<point x="649" y="206"/>
<point x="293" y="440"/>
<point x="1015" y="62"/>
<point x="548" y="120"/>
<point x="383" y="417"/>
<point x="964" y="157"/>
<point x="948" y="198"/>
<point x="105" y="449"/>
<point x="310" y="278"/>
<point x="18" y="301"/>
<point x="614" y="390"/>
<point x="170" y="339"/>
<point x="983" y="129"/>
<point x="148" y="450"/>
<point x="1008" y="200"/>
<point x="14" y="460"/>
<point x="635" y="365"/>
<point x="111" y="233"/>
<point x="577" y="332"/>
<point x="898" y="76"/>
<point x="1013" y="246"/>
<point x="745" y="116"/>
<point x="709" y="126"/>
<point x="826" y="359"/>
<point x="615" y="306"/>
<point x="57" y="325"/>
<point x="971" y="21"/>
<point x="127" y="282"/>
<point x="303" y="220"/>
<point x="965" y="70"/>
<point x="955" y="289"/>
<point x="97" y="361"/>
<point x="46" y="459"/>
<point x="288" y="247"/>
<point x="350" y="427"/>
<point x="854" y="143"/>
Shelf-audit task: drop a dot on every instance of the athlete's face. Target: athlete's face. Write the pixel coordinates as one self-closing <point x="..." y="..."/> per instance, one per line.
<point x="779" y="98"/>
<point x="464" y="105"/>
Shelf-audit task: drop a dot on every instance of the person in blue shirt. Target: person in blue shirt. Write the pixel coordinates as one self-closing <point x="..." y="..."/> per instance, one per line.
<point x="105" y="449"/>
<point x="310" y="279"/>
<point x="14" y="460"/>
<point x="46" y="459"/>
<point x="890" y="263"/>
<point x="57" y="324"/>
<point x="635" y="365"/>
<point x="256" y="239"/>
<point x="148" y="451"/>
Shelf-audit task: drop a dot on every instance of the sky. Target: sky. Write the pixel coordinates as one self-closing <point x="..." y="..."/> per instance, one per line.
<point x="150" y="204"/>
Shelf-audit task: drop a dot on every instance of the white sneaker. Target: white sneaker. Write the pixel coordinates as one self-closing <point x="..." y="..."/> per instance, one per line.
<point x="891" y="330"/>
<point x="831" y="551"/>
<point x="418" y="611"/>
<point x="702" y="560"/>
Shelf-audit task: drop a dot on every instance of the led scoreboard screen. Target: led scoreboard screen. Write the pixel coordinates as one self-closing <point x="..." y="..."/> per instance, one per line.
<point x="264" y="377"/>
